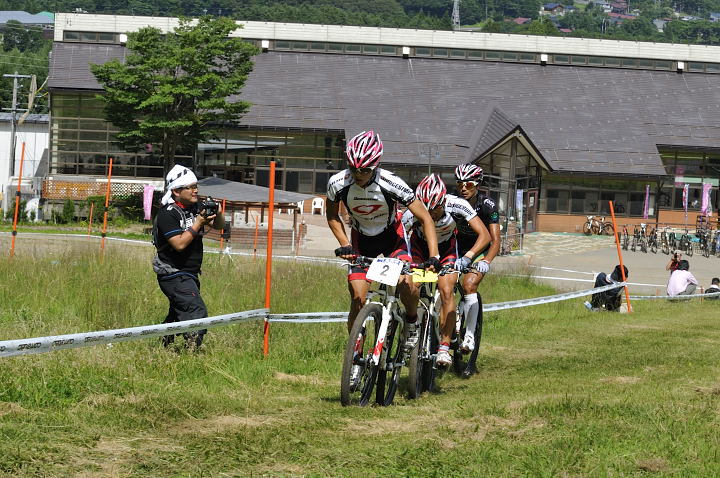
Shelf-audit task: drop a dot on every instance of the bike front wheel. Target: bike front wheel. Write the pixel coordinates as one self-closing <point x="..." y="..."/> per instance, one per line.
<point x="391" y="361"/>
<point x="587" y="229"/>
<point x="359" y="373"/>
<point x="420" y="359"/>
<point x="608" y="229"/>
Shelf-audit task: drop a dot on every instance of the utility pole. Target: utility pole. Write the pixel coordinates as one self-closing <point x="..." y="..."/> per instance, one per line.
<point x="13" y="111"/>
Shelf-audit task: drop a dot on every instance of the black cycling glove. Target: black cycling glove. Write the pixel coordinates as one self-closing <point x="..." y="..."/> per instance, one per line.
<point x="344" y="251"/>
<point x="434" y="262"/>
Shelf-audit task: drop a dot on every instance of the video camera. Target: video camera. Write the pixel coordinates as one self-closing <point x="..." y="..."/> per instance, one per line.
<point x="208" y="207"/>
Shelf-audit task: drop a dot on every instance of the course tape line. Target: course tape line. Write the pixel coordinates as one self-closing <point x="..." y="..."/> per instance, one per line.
<point x="9" y="348"/>
<point x="676" y="297"/>
<point x="583" y="280"/>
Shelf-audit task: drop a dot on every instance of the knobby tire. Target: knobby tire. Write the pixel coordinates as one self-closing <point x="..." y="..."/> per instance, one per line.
<point x="362" y="339"/>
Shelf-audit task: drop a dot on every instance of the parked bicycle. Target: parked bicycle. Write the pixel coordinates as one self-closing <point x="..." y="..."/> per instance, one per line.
<point x="664" y="242"/>
<point x="375" y="354"/>
<point x="593" y="225"/>
<point x="625" y="241"/>
<point x="686" y="244"/>
<point x="652" y="240"/>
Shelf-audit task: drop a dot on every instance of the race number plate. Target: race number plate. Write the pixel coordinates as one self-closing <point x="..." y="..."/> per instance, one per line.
<point x="385" y="270"/>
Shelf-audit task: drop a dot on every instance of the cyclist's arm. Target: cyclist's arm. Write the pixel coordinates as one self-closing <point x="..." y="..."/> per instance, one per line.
<point x="494" y="250"/>
<point x="421" y="214"/>
<point x="332" y="214"/>
<point x="483" y="237"/>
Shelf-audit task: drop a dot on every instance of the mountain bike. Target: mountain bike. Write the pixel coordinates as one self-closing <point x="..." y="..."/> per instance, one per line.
<point x="653" y="241"/>
<point x="421" y="366"/>
<point x="642" y="237"/>
<point x="635" y="238"/>
<point x="664" y="244"/>
<point x="375" y="354"/>
<point x="593" y="225"/>
<point x="685" y="244"/>
<point x="673" y="241"/>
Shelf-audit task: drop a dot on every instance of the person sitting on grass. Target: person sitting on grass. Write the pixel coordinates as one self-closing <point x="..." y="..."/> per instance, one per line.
<point x="611" y="299"/>
<point x="681" y="282"/>
<point x="714" y="288"/>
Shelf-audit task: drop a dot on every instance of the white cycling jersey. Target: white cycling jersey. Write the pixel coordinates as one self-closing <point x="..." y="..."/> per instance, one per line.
<point x="456" y="209"/>
<point x="372" y="208"/>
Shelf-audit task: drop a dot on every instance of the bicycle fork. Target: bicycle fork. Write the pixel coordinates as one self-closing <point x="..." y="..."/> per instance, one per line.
<point x="382" y="332"/>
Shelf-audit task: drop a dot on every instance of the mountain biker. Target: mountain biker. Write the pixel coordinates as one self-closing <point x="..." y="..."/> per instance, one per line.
<point x="468" y="177"/>
<point x="446" y="211"/>
<point x="371" y="196"/>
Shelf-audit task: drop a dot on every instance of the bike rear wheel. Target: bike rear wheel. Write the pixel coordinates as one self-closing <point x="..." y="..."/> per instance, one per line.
<point x="391" y="361"/>
<point x="653" y="245"/>
<point x="587" y="229"/>
<point x="466" y="368"/>
<point x="608" y="229"/>
<point x="357" y="390"/>
<point x="420" y="358"/>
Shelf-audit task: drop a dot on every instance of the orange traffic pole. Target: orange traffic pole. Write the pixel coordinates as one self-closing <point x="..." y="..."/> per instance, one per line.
<point x="222" y="211"/>
<point x="622" y="267"/>
<point x="107" y="203"/>
<point x="268" y="262"/>
<point x="17" y="200"/>
<point x="92" y="206"/>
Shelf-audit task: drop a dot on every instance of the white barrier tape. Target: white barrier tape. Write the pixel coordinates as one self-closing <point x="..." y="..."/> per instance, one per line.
<point x="561" y="270"/>
<point x="9" y="348"/>
<point x="309" y="317"/>
<point x="548" y="299"/>
<point x="674" y="297"/>
<point x="583" y="280"/>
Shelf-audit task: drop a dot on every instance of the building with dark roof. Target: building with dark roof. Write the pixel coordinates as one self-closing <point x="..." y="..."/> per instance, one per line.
<point x="573" y="123"/>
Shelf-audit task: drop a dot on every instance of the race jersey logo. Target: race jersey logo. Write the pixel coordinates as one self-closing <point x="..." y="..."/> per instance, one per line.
<point x="366" y="209"/>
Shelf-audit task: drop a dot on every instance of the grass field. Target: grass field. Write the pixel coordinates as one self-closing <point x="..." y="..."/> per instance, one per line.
<point x="561" y="391"/>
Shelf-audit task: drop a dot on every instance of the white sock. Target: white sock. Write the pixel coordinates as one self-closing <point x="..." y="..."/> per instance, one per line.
<point x="470" y="309"/>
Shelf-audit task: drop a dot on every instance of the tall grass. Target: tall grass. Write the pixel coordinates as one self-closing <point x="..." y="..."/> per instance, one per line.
<point x="561" y="391"/>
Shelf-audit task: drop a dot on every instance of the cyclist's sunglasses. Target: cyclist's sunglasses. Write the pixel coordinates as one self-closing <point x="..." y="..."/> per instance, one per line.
<point x="361" y="170"/>
<point x="461" y="184"/>
<point x="191" y="186"/>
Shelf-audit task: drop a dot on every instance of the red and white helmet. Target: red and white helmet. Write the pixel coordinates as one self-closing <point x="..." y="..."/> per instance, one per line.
<point x="469" y="172"/>
<point x="431" y="191"/>
<point x="364" y="150"/>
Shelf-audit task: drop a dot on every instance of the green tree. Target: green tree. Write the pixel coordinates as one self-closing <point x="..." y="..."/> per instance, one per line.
<point x="173" y="89"/>
<point x="17" y="36"/>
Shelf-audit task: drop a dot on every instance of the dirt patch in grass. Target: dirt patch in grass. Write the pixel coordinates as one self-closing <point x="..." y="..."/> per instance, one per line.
<point x="286" y="377"/>
<point x="653" y="465"/>
<point x="8" y="408"/>
<point x="112" y="456"/>
<point x="620" y="380"/>
<point x="223" y="423"/>
<point x="701" y="390"/>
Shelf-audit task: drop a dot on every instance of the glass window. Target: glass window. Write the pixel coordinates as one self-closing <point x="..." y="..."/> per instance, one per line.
<point x="492" y="55"/>
<point x="88" y="36"/>
<point x="596" y="60"/>
<point x="697" y="67"/>
<point x="578" y="60"/>
<point x="420" y="51"/>
<point x="557" y="200"/>
<point x="475" y="55"/>
<point x="71" y="36"/>
<point x="352" y="48"/>
<point x="92" y="146"/>
<point x="93" y="135"/>
<point x="712" y="67"/>
<point x="689" y="164"/>
<point x="457" y="53"/>
<point x="611" y="61"/>
<point x="317" y="46"/>
<point x="510" y="56"/>
<point x="662" y="65"/>
<point x="321" y="180"/>
<point x="388" y="50"/>
<point x="371" y="49"/>
<point x="95" y="125"/>
<point x="441" y="52"/>
<point x="528" y="57"/>
<point x="282" y="45"/>
<point x="106" y="37"/>
<point x="299" y="45"/>
<point x="629" y="62"/>
<point x="637" y="204"/>
<point x="561" y="59"/>
<point x="645" y="63"/>
<point x="336" y="47"/>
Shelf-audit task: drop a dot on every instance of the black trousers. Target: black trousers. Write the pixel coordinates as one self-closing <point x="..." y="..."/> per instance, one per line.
<point x="183" y="292"/>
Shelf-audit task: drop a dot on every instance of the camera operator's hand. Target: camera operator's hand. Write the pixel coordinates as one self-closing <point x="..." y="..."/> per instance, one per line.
<point x="201" y="220"/>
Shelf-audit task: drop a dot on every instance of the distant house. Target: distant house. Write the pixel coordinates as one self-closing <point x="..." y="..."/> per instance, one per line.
<point x="690" y="18"/>
<point x="618" y="7"/>
<point x="604" y="5"/>
<point x="570" y="9"/>
<point x="44" y="20"/>
<point x="715" y="16"/>
<point x="565" y="30"/>
<point x="522" y="20"/>
<point x="619" y="18"/>
<point x="552" y="9"/>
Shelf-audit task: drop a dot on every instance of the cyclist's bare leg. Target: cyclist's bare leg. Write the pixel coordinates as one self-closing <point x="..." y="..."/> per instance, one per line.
<point x="358" y="292"/>
<point x="446" y="285"/>
<point x="471" y="281"/>
<point x="409" y="296"/>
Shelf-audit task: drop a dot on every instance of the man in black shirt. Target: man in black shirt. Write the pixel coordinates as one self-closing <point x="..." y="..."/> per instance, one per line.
<point x="177" y="235"/>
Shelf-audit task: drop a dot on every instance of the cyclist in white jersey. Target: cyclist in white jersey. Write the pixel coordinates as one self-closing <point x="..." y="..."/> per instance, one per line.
<point x="371" y="196"/>
<point x="445" y="210"/>
<point x="468" y="177"/>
